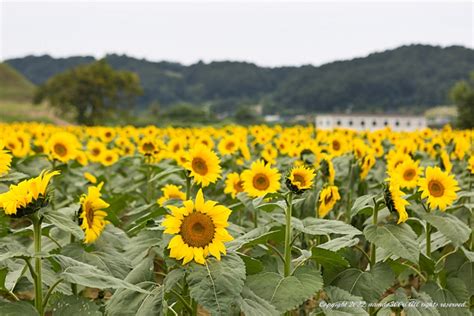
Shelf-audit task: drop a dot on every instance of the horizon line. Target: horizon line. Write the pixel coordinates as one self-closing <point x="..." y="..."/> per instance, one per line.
<point x="236" y="61"/>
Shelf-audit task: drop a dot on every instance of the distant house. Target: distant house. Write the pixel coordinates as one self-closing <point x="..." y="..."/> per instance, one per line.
<point x="272" y="118"/>
<point x="370" y="121"/>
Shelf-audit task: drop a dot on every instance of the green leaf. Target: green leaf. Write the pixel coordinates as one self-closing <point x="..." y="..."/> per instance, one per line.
<point x="126" y="302"/>
<point x="420" y="304"/>
<point x="84" y="274"/>
<point x="328" y="258"/>
<point x="172" y="278"/>
<point x="111" y="262"/>
<point x="454" y="292"/>
<point x="3" y="275"/>
<point x="399" y="240"/>
<point x="252" y="304"/>
<point x="17" y="308"/>
<point x="62" y="305"/>
<point x="252" y="266"/>
<point x="217" y="285"/>
<point x="259" y="235"/>
<point x="449" y="225"/>
<point x="339" y="243"/>
<point x="139" y="245"/>
<point x="63" y="219"/>
<point x="286" y="293"/>
<point x="13" y="177"/>
<point x="339" y="303"/>
<point x="165" y="173"/>
<point x="362" y="203"/>
<point x="369" y="285"/>
<point x="318" y="226"/>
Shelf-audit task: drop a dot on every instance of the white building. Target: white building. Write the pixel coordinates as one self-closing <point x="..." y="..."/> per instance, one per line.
<point x="370" y="121"/>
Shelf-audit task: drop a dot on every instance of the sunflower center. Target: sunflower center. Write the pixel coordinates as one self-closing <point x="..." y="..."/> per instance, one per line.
<point x="96" y="152"/>
<point x="89" y="215"/>
<point x="336" y="145"/>
<point x="436" y="188"/>
<point x="261" y="182"/>
<point x="199" y="166"/>
<point x="409" y="174"/>
<point x="238" y="186"/>
<point x="148" y="147"/>
<point x="229" y="145"/>
<point x="60" y="149"/>
<point x="197" y="230"/>
<point x="328" y="198"/>
<point x="298" y="180"/>
<point x="174" y="196"/>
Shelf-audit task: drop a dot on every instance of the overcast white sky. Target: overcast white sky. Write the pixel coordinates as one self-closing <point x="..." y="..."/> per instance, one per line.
<point x="268" y="33"/>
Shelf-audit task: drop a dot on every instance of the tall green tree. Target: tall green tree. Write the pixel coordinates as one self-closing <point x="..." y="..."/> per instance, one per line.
<point x="463" y="95"/>
<point x="92" y="91"/>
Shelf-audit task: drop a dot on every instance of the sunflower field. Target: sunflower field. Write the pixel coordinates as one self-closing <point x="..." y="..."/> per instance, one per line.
<point x="235" y="220"/>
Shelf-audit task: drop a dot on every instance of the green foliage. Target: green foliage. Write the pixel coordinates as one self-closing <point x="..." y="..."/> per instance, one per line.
<point x="462" y="94"/>
<point x="217" y="284"/>
<point x="91" y="91"/>
<point x="369" y="285"/>
<point x="286" y="293"/>
<point x="399" y="240"/>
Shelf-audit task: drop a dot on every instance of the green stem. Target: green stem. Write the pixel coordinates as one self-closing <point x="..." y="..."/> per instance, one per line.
<point x="183" y="301"/>
<point x="188" y="186"/>
<point x="288" y="235"/>
<point x="255" y="219"/>
<point x="427" y="232"/>
<point x="50" y="291"/>
<point x="349" y="193"/>
<point x="428" y="240"/>
<point x="36" y="220"/>
<point x="373" y="256"/>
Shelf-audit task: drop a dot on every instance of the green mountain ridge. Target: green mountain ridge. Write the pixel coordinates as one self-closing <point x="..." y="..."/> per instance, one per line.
<point x="409" y="78"/>
<point x="13" y="85"/>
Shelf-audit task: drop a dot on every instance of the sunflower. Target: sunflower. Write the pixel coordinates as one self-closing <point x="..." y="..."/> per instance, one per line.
<point x="170" y="192"/>
<point x="366" y="163"/>
<point x="90" y="177"/>
<point x="95" y="150"/>
<point x="445" y="162"/>
<point x="17" y="144"/>
<point x="408" y="173"/>
<point x="63" y="146"/>
<point x="269" y="154"/>
<point x="109" y="157"/>
<point x="327" y="170"/>
<point x="199" y="229"/>
<point x="394" y="201"/>
<point x="260" y="179"/>
<point x="28" y="196"/>
<point x="233" y="184"/>
<point x="228" y="145"/>
<point x="439" y="187"/>
<point x="300" y="179"/>
<point x="328" y="197"/>
<point x="92" y="216"/>
<point x="81" y="158"/>
<point x="5" y="161"/>
<point x="470" y="163"/>
<point x="203" y="164"/>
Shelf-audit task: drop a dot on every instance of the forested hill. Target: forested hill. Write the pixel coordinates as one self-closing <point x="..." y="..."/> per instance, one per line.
<point x="393" y="80"/>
